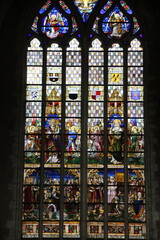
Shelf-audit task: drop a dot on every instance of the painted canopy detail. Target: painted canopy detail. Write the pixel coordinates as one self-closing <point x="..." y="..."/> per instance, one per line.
<point x="85" y="7"/>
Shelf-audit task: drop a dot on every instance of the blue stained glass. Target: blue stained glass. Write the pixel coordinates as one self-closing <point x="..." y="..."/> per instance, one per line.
<point x="136" y="25"/>
<point x="74" y="25"/>
<point x="34" y="25"/>
<point x="106" y="7"/>
<point x="112" y="172"/>
<point x="45" y="7"/>
<point x="54" y="25"/>
<point x="115" y="25"/>
<point x="52" y="176"/>
<point x="65" y="7"/>
<point x="126" y="7"/>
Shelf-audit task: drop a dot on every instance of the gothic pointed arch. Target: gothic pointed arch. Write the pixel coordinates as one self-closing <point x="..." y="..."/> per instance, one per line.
<point x="84" y="141"/>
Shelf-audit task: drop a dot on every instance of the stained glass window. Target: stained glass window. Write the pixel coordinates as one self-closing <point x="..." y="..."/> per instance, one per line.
<point x="84" y="161"/>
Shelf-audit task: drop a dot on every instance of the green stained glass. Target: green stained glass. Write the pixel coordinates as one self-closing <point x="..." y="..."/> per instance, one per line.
<point x="135" y="140"/>
<point x="32" y="159"/>
<point x="136" y="177"/>
<point x="136" y="25"/>
<point x="51" y="211"/>
<point x="33" y="125"/>
<point x="72" y="159"/>
<point x="136" y="160"/>
<point x="34" y="25"/>
<point x="30" y="212"/>
<point x="84" y="138"/>
<point x="95" y="212"/>
<point x="115" y="159"/>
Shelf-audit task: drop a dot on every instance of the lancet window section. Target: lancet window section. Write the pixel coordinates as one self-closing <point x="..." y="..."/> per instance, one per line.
<point x="56" y="166"/>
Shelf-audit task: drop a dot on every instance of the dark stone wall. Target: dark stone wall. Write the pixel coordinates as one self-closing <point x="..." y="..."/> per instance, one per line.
<point x="15" y="19"/>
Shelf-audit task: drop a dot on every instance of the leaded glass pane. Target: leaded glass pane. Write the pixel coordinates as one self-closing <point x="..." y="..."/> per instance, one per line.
<point x="84" y="131"/>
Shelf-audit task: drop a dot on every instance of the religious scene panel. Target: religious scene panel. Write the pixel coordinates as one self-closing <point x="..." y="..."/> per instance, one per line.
<point x="113" y="124"/>
<point x="116" y="24"/>
<point x="54" y="24"/>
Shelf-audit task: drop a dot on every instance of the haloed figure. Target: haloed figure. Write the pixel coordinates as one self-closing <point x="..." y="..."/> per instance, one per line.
<point x="115" y="22"/>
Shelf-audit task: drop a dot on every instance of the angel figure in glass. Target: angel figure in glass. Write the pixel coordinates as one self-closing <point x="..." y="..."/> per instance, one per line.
<point x="54" y="24"/>
<point x="116" y="25"/>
